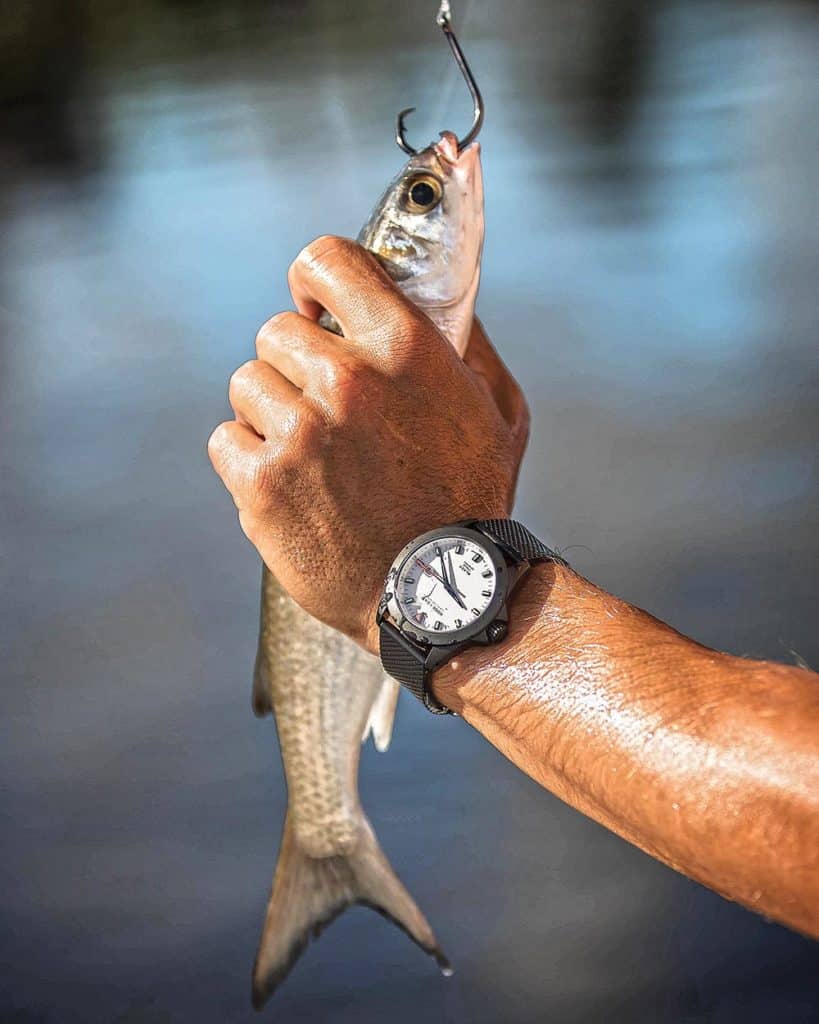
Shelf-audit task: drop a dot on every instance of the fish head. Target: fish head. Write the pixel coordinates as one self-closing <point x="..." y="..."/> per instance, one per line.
<point x="427" y="231"/>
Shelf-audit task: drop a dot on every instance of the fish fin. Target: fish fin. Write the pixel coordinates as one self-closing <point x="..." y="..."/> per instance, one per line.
<point x="382" y="714"/>
<point x="799" y="661"/>
<point x="261" y="685"/>
<point x="309" y="893"/>
<point x="261" y="700"/>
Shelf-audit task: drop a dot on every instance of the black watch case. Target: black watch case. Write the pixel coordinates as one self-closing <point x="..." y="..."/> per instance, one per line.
<point x="491" y="624"/>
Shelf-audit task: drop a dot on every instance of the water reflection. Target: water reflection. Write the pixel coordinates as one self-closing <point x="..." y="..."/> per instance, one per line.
<point x="649" y="272"/>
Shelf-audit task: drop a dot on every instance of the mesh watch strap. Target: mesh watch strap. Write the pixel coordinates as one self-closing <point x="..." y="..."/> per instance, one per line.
<point x="517" y="540"/>
<point x="406" y="662"/>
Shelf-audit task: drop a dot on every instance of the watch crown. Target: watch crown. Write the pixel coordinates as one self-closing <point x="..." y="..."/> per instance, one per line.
<point x="496" y="631"/>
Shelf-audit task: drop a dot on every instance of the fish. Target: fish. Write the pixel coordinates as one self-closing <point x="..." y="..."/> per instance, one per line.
<point x="326" y="693"/>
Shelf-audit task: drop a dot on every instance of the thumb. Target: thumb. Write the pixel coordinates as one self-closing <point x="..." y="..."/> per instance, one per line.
<point x="484" y="361"/>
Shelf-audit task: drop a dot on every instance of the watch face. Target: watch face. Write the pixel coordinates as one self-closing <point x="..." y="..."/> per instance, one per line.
<point x="446" y="584"/>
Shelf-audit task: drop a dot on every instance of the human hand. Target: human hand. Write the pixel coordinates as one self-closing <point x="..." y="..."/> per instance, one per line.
<point x="344" y="449"/>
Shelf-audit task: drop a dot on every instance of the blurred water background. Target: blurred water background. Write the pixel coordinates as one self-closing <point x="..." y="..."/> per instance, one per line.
<point x="650" y="274"/>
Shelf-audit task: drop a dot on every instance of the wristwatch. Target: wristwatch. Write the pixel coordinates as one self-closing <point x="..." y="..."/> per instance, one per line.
<point x="448" y="589"/>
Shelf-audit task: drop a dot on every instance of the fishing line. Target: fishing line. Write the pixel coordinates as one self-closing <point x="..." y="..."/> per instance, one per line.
<point x="452" y="76"/>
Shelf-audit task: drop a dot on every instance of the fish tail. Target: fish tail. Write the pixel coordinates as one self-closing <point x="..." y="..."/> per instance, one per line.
<point x="310" y="892"/>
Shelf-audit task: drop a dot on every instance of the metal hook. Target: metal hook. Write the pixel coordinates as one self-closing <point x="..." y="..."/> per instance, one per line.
<point x="444" y="21"/>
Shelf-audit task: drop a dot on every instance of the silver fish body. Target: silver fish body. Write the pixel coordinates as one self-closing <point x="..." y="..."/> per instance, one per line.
<point x="326" y="693"/>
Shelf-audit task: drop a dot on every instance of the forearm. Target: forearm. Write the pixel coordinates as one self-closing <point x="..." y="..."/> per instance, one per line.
<point x="706" y="761"/>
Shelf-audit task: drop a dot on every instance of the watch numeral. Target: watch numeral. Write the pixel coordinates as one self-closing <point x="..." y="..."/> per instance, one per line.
<point x="459" y="623"/>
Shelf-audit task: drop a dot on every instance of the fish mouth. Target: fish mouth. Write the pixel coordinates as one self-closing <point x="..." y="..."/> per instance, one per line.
<point x="464" y="166"/>
<point x="449" y="156"/>
<point x="447" y="148"/>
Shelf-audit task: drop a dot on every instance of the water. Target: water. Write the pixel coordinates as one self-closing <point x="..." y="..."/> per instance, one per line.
<point x="650" y="274"/>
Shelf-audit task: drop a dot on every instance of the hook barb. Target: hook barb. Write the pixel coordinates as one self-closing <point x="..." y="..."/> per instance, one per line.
<point x="444" y="21"/>
<point x="400" y="130"/>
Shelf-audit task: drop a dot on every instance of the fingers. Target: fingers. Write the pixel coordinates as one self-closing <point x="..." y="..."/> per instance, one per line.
<point x="234" y="449"/>
<point x="299" y="349"/>
<point x="260" y="396"/>
<point x="342" y="277"/>
<point x="482" y="358"/>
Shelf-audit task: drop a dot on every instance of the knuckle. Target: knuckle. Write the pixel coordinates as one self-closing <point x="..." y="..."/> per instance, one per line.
<point x="339" y="380"/>
<point x="217" y="442"/>
<point x="322" y="247"/>
<point x="289" y="433"/>
<point x="300" y="437"/>
<point x="321" y="251"/>
<point x="346" y="385"/>
<point x="308" y="432"/>
<point x="242" y="379"/>
<point x="273" y="329"/>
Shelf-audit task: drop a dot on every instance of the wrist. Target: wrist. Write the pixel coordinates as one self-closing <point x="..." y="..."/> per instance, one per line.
<point x="469" y="678"/>
<point x="370" y="641"/>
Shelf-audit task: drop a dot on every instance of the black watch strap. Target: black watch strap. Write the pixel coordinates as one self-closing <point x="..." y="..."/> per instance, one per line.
<point x="517" y="540"/>
<point x="407" y="662"/>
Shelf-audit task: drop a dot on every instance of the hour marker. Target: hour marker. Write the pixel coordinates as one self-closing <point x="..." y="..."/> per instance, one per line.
<point x="475" y="611"/>
<point x="486" y="573"/>
<point x="409" y="579"/>
<point x="477" y="557"/>
<point x="459" y="549"/>
<point x="409" y="600"/>
<point x="459" y="623"/>
<point x="439" y="624"/>
<point x="486" y="593"/>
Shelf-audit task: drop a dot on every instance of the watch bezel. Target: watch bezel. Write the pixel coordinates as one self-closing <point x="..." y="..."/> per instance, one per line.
<point x="390" y="605"/>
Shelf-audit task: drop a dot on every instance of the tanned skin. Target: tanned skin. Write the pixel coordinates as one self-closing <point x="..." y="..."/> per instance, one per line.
<point x="706" y="761"/>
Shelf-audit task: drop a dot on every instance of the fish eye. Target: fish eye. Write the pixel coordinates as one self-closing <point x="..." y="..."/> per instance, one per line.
<point x="423" y="193"/>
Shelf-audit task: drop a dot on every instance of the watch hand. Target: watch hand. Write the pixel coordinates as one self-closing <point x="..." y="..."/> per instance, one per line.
<point x="453" y="593"/>
<point x="440" y="554"/>
<point x="452" y="573"/>
<point x="451" y="589"/>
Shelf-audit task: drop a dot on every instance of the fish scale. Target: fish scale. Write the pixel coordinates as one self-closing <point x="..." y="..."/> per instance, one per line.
<point x="318" y="726"/>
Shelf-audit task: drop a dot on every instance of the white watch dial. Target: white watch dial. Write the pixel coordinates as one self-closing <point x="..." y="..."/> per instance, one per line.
<point x="446" y="584"/>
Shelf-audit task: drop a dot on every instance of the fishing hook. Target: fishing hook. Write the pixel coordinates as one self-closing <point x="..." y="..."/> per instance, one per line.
<point x="444" y="21"/>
